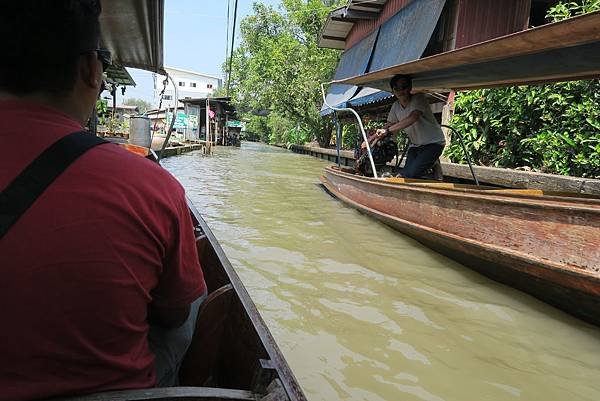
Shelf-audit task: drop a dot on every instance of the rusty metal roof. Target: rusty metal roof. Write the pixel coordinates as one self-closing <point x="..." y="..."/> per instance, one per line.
<point x="341" y="20"/>
<point x="562" y="51"/>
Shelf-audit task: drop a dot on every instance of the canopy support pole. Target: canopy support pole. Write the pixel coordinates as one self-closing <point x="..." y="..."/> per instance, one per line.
<point x="360" y="125"/>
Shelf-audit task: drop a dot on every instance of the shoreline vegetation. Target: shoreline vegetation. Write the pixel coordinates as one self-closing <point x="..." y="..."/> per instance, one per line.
<point x="277" y="68"/>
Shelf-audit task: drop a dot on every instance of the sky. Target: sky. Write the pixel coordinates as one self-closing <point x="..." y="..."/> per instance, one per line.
<point x="195" y="39"/>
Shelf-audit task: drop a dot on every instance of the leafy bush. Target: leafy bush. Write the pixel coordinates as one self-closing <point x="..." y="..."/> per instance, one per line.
<point x="552" y="128"/>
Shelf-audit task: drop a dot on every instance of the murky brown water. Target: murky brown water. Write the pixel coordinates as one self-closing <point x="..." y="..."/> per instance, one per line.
<point x="362" y="312"/>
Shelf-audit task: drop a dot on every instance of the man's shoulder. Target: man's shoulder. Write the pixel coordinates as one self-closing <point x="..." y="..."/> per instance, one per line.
<point x="134" y="169"/>
<point x="418" y="101"/>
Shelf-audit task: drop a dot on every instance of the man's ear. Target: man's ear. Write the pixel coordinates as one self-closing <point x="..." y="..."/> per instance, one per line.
<point x="90" y="70"/>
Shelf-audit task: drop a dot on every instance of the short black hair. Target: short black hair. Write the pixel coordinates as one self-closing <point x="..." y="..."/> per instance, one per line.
<point x="42" y="42"/>
<point x="399" y="77"/>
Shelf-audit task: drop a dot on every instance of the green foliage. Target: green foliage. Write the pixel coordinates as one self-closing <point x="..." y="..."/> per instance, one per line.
<point x="101" y="109"/>
<point x="552" y="128"/>
<point x="257" y="128"/>
<point x="278" y="66"/>
<point x="142" y="105"/>
<point x="568" y="9"/>
<point x="351" y="133"/>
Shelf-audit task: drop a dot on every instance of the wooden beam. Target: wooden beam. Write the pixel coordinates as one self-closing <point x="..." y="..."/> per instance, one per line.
<point x="334" y="38"/>
<point x="571" y="32"/>
<point x="166" y="393"/>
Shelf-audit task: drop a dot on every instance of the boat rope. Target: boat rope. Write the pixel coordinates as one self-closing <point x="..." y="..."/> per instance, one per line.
<point x="160" y="101"/>
<point x="175" y="107"/>
<point x="360" y="125"/>
<point x="462" y="142"/>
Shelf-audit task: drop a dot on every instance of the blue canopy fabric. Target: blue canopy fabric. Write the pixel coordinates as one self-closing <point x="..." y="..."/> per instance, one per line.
<point x="354" y="61"/>
<point x="402" y="38"/>
<point x="405" y="36"/>
<point x="367" y="96"/>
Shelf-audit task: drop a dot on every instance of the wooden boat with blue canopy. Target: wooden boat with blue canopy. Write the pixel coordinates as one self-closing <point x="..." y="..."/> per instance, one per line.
<point x="233" y="356"/>
<point x="542" y="242"/>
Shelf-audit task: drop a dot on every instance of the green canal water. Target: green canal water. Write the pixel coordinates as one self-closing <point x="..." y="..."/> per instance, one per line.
<point x="362" y="312"/>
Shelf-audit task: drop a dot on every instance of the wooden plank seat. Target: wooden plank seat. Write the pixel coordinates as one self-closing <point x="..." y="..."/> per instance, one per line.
<point x="202" y="355"/>
<point x="166" y="393"/>
<point x="202" y="245"/>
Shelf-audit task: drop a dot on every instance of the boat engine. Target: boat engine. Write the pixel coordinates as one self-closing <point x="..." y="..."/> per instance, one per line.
<point x="383" y="152"/>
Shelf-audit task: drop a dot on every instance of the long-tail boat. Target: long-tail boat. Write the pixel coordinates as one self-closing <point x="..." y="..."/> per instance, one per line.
<point x="544" y="243"/>
<point x="233" y="355"/>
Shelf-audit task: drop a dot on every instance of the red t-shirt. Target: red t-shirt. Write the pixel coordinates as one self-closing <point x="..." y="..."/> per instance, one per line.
<point x="78" y="270"/>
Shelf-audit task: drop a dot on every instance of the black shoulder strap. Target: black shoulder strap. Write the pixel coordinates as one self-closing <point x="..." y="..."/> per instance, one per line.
<point x="22" y="192"/>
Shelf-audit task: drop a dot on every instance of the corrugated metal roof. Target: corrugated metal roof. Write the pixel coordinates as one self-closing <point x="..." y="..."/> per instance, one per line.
<point x="341" y="20"/>
<point x="565" y="50"/>
<point x="120" y="75"/>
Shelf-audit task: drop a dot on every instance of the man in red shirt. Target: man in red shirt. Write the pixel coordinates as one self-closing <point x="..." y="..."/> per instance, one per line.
<point x="107" y="250"/>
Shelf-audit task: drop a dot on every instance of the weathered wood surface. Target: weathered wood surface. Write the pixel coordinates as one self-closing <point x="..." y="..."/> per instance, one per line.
<point x="250" y="339"/>
<point x="487" y="175"/>
<point x="201" y="357"/>
<point x="166" y="393"/>
<point x="178" y="150"/>
<point x="524" y="179"/>
<point x="547" y="247"/>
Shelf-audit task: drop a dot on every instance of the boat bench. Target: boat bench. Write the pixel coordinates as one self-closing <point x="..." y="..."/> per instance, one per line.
<point x="166" y="393"/>
<point x="275" y="392"/>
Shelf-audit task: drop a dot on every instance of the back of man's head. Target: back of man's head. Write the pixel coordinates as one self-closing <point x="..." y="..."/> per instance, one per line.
<point x="42" y="43"/>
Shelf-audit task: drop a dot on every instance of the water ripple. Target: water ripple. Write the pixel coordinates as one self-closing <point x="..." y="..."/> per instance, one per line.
<point x="362" y="312"/>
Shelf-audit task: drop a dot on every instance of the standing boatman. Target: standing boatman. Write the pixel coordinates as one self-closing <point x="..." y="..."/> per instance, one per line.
<point x="412" y="114"/>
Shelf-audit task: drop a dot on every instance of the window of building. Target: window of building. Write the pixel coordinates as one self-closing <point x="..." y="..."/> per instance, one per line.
<point x="167" y="97"/>
<point x="209" y="86"/>
<point x="181" y="83"/>
<point x="193" y="84"/>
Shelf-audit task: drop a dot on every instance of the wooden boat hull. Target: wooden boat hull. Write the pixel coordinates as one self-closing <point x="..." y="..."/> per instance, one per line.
<point x="245" y="355"/>
<point x="547" y="246"/>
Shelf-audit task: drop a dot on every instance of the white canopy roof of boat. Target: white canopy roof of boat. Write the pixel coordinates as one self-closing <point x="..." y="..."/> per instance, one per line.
<point x="133" y="32"/>
<point x="561" y="51"/>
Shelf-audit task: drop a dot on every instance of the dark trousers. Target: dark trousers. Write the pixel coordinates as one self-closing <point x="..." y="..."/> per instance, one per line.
<point x="420" y="158"/>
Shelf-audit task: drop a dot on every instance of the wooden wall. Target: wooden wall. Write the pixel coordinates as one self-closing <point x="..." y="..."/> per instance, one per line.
<point x="481" y="20"/>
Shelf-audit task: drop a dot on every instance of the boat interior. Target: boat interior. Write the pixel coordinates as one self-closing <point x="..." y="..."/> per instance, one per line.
<point x="469" y="186"/>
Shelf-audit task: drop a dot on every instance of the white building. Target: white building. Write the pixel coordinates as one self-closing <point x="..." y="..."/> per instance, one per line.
<point x="190" y="85"/>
